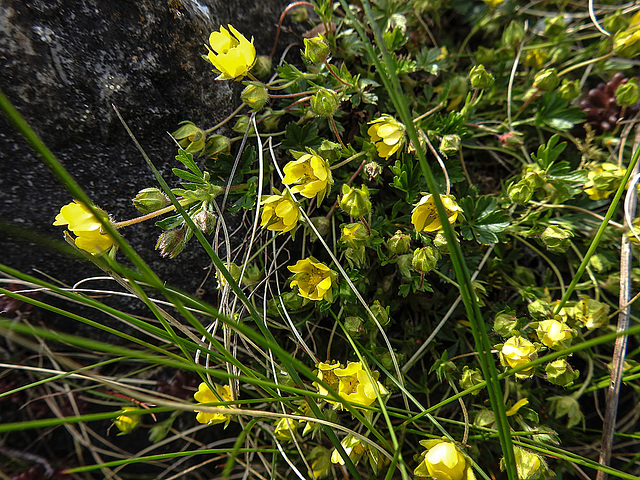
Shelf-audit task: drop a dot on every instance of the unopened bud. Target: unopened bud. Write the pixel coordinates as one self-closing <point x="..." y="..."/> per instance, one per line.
<point x="628" y="93"/>
<point x="569" y="89"/>
<point x="205" y="221"/>
<point x="505" y="324"/>
<point x="556" y="239"/>
<point x="449" y="145"/>
<point x="150" y="200"/>
<point x="425" y="259"/>
<point x="217" y="144"/>
<point x="480" y="78"/>
<point x="355" y="201"/>
<point x="511" y="139"/>
<point x="325" y="102"/>
<point x="354" y="325"/>
<point x="546" y="80"/>
<point x="520" y="192"/>
<point x="316" y="49"/>
<point x="252" y="274"/>
<point x="255" y="95"/>
<point x="399" y="243"/>
<point x="513" y="34"/>
<point x="470" y="378"/>
<point x="381" y="313"/>
<point x="322" y="224"/>
<point x="262" y="68"/>
<point x="190" y="137"/>
<point x="171" y="242"/>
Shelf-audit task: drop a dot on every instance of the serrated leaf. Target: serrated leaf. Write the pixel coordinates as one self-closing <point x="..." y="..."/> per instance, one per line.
<point x="188" y="176"/>
<point x="483" y="222"/>
<point x="187" y="160"/>
<point x="408" y="178"/>
<point x="290" y="72"/>
<point x="556" y="113"/>
<point x="299" y="137"/>
<point x="170" y="223"/>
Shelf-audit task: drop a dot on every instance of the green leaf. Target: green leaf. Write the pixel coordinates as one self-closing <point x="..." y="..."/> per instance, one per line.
<point x="170" y="223"/>
<point x="187" y="160"/>
<point x="483" y="223"/>
<point x="299" y="137"/>
<point x="221" y="168"/>
<point x="547" y="154"/>
<point x="183" y="174"/>
<point x="290" y="72"/>
<point x="407" y="178"/>
<point x="556" y="114"/>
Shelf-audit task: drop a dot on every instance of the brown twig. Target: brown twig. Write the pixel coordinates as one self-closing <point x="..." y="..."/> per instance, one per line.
<point x="284" y="12"/>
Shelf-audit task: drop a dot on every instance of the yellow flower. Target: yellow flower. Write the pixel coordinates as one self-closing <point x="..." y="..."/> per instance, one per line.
<point x="443" y="461"/>
<point x="87" y="228"/>
<point x="554" y="334"/>
<point x="603" y="180"/>
<point x="127" y="422"/>
<point x="387" y="134"/>
<point x="493" y="3"/>
<point x="425" y="216"/>
<point x="518" y="351"/>
<point x="205" y="395"/>
<point x="354" y="234"/>
<point x="352" y="383"/>
<point x="320" y="460"/>
<point x="353" y="447"/>
<point x="528" y="464"/>
<point x="279" y="213"/>
<point x="285" y="429"/>
<point x="313" y="279"/>
<point x="311" y="175"/>
<point x="232" y="55"/>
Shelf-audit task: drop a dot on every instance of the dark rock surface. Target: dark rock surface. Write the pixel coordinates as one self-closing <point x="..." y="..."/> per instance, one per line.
<point x="63" y="63"/>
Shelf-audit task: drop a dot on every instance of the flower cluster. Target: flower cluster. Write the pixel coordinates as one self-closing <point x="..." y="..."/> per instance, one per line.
<point x="425" y="216"/>
<point x="87" y="228"/>
<point x="351" y="382"/>
<point x="204" y="395"/>
<point x="231" y="53"/>
<point x="310" y="175"/>
<point x="314" y="279"/>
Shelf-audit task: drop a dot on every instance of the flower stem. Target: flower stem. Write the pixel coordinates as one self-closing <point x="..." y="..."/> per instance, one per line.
<point x="335" y="130"/>
<point x="348" y="160"/>
<point x="184" y="202"/>
<point x="226" y="120"/>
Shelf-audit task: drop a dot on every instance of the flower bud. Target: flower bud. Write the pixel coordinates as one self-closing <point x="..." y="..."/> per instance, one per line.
<point x="425" y="259"/>
<point x="262" y="68"/>
<point x="356" y="257"/>
<point x="285" y="429"/>
<point x="484" y="418"/>
<point x="559" y="372"/>
<point x="566" y="406"/>
<point x="554" y="26"/>
<point x="628" y="93"/>
<point x="316" y="49"/>
<point x="205" y="221"/>
<point x="556" y="239"/>
<point x="511" y="139"/>
<point x="505" y="324"/>
<point x="470" y="378"/>
<point x="615" y="22"/>
<point x="381" y="313"/>
<point x="520" y="192"/>
<point x="149" y="200"/>
<point x="355" y="235"/>
<point x="569" y="90"/>
<point x="299" y="14"/>
<point x="480" y="78"/>
<point x="591" y="313"/>
<point x="536" y="58"/>
<point x="399" y="243"/>
<point x="626" y="44"/>
<point x="252" y="274"/>
<point x="373" y="170"/>
<point x="217" y="144"/>
<point x="325" y="102"/>
<point x="255" y="95"/>
<point x="554" y="334"/>
<point x="513" y="34"/>
<point x="190" y="137"/>
<point x="355" y="201"/>
<point x="127" y="422"/>
<point x="322" y="224"/>
<point x="235" y="272"/>
<point x="354" y="325"/>
<point x="449" y="144"/>
<point x="441" y="243"/>
<point x="546" y="80"/>
<point x="242" y="124"/>
<point x="172" y="242"/>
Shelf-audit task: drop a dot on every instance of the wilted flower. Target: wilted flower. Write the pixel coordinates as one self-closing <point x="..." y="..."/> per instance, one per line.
<point x="352" y="383"/>
<point x="554" y="334"/>
<point x="388" y="135"/>
<point x="311" y="175"/>
<point x="354" y="235"/>
<point x="232" y="55"/>
<point x="172" y="242"/>
<point x="279" y="213"/>
<point x="518" y="351"/>
<point x="87" y="228"/>
<point x="205" y="395"/>
<point x="591" y="313"/>
<point x="529" y="465"/>
<point x="314" y="279"/>
<point x="560" y="372"/>
<point x="556" y="239"/>
<point x="425" y="216"/>
<point x="443" y="461"/>
<point x="127" y="422"/>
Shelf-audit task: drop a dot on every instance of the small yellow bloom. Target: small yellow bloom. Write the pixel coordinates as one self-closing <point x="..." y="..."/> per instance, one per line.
<point x="352" y="383"/>
<point x="528" y="464"/>
<point x="387" y="134"/>
<point x="493" y="3"/>
<point x="518" y="351"/>
<point x="554" y="334"/>
<point x="231" y="55"/>
<point x="443" y="461"/>
<point x="87" y="228"/>
<point x="603" y="180"/>
<point x="311" y="175"/>
<point x="313" y="279"/>
<point x="425" y="216"/>
<point x="205" y="395"/>
<point x="353" y="447"/>
<point x="285" y="429"/>
<point x="279" y="213"/>
<point x="354" y="234"/>
<point x="127" y="422"/>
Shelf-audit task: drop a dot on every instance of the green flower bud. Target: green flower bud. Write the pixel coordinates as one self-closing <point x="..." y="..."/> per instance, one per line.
<point x="480" y="78"/>
<point x="556" y="239"/>
<point x="520" y="192"/>
<point x="262" y="68"/>
<point x="484" y="418"/>
<point x="172" y="242"/>
<point x="316" y="49"/>
<point x="546" y="80"/>
<point x="513" y="34"/>
<point x="299" y="14"/>
<point x="399" y="243"/>
<point x="355" y="201"/>
<point x="540" y="310"/>
<point x="559" y="372"/>
<point x="354" y="325"/>
<point x="330" y="151"/>
<point x="381" y="313"/>
<point x="356" y="257"/>
<point x="255" y="95"/>
<point x="190" y="137"/>
<point x="354" y="235"/>
<point x="322" y="224"/>
<point x="486" y="55"/>
<point x="373" y="170"/>
<point x="205" y="221"/>
<point x="217" y="144"/>
<point x="149" y="200"/>
<point x="615" y="22"/>
<point x="127" y="422"/>
<point x="252" y="274"/>
<point x="441" y="243"/>
<point x="569" y="90"/>
<point x="591" y="313"/>
<point x="505" y="324"/>
<point x="425" y="259"/>
<point x="404" y="265"/>
<point x="449" y="144"/>
<point x="530" y="466"/>
<point x="511" y="139"/>
<point x="470" y="378"/>
<point x="568" y="406"/>
<point x="325" y="102"/>
<point x="242" y="124"/>
<point x="628" y="93"/>
<point x="626" y="44"/>
<point x="554" y="26"/>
